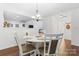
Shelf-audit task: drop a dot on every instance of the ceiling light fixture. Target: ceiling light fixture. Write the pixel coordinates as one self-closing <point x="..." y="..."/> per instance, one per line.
<point x="37" y="17"/>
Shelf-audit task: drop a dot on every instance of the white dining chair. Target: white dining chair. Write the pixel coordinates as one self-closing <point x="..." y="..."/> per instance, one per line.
<point x="51" y="47"/>
<point x="24" y="47"/>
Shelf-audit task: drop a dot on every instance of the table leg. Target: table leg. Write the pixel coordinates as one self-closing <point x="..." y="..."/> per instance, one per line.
<point x="37" y="48"/>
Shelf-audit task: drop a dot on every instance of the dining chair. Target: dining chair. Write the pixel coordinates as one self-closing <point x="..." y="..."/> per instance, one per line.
<point x="52" y="46"/>
<point x="24" y="47"/>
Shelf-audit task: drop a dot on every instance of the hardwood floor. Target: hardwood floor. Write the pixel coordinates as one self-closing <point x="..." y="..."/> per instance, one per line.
<point x="12" y="51"/>
<point x="76" y="48"/>
<point x="71" y="50"/>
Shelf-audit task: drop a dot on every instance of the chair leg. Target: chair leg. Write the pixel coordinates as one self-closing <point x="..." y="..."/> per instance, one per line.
<point x="35" y="53"/>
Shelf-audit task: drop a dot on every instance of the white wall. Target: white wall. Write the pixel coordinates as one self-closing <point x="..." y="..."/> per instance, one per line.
<point x="7" y="34"/>
<point x="53" y="24"/>
<point x="72" y="34"/>
<point x="6" y="7"/>
<point x="56" y="24"/>
<point x="1" y="15"/>
<point x="36" y="25"/>
<point x="75" y="27"/>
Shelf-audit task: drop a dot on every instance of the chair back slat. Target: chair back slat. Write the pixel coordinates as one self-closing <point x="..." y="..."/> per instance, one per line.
<point x="53" y="44"/>
<point x="19" y="44"/>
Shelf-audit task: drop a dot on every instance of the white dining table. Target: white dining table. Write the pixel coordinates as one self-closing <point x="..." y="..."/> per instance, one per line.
<point x="36" y="40"/>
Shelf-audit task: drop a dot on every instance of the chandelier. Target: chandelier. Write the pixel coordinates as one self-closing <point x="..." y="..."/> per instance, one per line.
<point x="37" y="17"/>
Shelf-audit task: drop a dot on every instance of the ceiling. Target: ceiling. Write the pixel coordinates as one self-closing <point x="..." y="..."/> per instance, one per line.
<point x="28" y="9"/>
<point x="16" y="17"/>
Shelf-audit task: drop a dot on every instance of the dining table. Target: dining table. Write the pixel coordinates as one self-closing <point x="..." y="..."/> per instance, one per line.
<point x="37" y="40"/>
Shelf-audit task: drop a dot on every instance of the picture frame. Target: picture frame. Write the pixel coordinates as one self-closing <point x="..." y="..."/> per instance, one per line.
<point x="11" y="25"/>
<point x="16" y="25"/>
